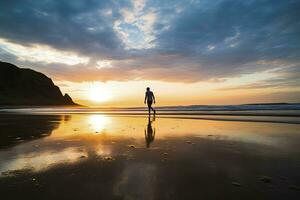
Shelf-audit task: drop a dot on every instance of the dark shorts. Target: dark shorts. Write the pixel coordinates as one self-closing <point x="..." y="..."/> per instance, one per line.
<point x="149" y="103"/>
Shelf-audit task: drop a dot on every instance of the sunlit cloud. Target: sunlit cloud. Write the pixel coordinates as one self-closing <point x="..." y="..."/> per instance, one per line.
<point x="211" y="47"/>
<point x="136" y="28"/>
<point x="41" y="53"/>
<point x="103" y="64"/>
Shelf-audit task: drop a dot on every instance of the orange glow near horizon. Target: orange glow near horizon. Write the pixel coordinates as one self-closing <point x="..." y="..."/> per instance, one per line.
<point x="131" y="93"/>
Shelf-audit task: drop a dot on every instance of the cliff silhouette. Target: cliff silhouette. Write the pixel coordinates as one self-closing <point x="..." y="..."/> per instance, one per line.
<point x="24" y="87"/>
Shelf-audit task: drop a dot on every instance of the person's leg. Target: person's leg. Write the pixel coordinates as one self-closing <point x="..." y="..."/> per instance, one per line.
<point x="153" y="110"/>
<point x="149" y="103"/>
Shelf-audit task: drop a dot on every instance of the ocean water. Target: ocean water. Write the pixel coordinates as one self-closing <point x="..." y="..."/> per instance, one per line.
<point x="284" y="113"/>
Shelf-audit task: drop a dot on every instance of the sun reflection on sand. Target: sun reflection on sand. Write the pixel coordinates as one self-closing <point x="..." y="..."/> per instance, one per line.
<point x="37" y="161"/>
<point x="103" y="150"/>
<point x="98" y="123"/>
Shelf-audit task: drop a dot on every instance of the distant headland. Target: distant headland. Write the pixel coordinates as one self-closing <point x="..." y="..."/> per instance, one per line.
<point x="26" y="87"/>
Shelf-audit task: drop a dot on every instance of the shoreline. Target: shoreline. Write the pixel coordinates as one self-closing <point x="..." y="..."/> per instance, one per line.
<point x="285" y="119"/>
<point x="258" y="113"/>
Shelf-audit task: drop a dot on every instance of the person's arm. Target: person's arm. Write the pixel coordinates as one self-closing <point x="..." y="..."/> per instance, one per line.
<point x="153" y="98"/>
<point x="145" y="97"/>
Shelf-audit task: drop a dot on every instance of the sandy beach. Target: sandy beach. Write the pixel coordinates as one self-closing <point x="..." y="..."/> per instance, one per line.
<point x="102" y="156"/>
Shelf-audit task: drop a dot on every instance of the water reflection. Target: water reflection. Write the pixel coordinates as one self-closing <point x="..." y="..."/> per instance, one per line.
<point x="149" y="132"/>
<point x="118" y="165"/>
<point x="15" y="129"/>
<point x="40" y="160"/>
<point x="98" y="123"/>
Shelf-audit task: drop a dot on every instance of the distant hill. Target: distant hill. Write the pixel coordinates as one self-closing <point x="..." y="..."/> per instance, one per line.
<point x="26" y="87"/>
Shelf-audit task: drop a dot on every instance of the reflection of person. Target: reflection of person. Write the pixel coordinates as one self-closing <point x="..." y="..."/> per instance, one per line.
<point x="149" y="97"/>
<point x="149" y="132"/>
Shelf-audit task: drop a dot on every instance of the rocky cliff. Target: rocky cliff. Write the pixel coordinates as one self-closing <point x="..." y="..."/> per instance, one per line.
<point x="19" y="86"/>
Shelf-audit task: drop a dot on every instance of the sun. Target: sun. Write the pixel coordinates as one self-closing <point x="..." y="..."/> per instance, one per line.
<point x="99" y="94"/>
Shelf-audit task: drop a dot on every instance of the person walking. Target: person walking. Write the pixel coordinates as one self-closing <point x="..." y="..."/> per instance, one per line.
<point x="149" y="98"/>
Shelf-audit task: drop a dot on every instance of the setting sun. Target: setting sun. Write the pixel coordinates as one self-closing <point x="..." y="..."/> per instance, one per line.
<point x="98" y="93"/>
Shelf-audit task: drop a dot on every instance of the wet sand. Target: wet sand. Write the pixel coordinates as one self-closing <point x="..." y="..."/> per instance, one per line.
<point x="102" y="156"/>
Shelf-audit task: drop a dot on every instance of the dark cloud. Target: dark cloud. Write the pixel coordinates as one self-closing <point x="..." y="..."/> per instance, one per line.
<point x="194" y="40"/>
<point x="239" y="32"/>
<point x="80" y="26"/>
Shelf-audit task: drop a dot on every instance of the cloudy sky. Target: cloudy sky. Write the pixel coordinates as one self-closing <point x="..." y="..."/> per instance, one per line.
<point x="105" y="52"/>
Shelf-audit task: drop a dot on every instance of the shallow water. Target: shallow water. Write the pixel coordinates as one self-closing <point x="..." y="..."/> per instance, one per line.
<point x="78" y="156"/>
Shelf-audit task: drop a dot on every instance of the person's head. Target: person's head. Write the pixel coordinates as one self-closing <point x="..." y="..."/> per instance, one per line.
<point x="148" y="89"/>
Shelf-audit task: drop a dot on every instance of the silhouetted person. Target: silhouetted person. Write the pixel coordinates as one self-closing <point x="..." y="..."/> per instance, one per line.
<point x="149" y="132"/>
<point x="149" y="97"/>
